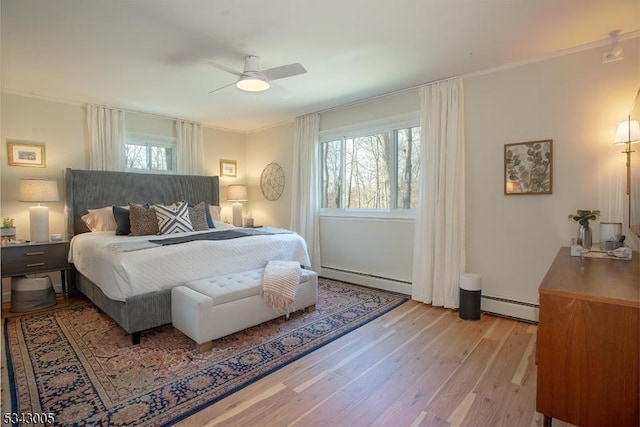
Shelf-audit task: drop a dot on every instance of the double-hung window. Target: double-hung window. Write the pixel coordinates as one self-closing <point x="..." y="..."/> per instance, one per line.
<point x="371" y="170"/>
<point x="150" y="153"/>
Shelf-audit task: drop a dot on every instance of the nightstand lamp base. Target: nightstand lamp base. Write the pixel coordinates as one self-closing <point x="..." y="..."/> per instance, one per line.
<point x="39" y="223"/>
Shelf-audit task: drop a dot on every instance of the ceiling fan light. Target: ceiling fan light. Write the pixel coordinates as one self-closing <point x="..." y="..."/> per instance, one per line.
<point x="252" y="84"/>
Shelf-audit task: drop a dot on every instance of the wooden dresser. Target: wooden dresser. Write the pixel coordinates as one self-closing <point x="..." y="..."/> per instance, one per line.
<point x="588" y="344"/>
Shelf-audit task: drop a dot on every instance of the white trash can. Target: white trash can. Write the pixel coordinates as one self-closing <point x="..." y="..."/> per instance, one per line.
<point x="470" y="295"/>
<point x="31" y="293"/>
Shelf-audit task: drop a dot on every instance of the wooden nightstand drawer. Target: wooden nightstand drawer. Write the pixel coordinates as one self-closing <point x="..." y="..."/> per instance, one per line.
<point x="34" y="258"/>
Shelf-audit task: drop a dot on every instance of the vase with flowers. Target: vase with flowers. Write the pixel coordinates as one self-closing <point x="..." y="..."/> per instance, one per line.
<point x="583" y="217"/>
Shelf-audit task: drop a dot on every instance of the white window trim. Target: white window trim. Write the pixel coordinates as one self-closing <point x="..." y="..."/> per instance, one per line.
<point x="401" y="121"/>
<point x="372" y="126"/>
<point x="139" y="138"/>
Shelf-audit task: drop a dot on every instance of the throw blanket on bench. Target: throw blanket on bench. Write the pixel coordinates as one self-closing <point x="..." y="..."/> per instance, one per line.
<point x="279" y="285"/>
<point x="210" y="235"/>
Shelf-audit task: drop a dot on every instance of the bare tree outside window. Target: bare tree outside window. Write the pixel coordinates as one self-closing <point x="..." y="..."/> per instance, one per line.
<point x="408" y="167"/>
<point x="367" y="171"/>
<point x="376" y="172"/>
<point x="331" y="174"/>
<point x="136" y="156"/>
<point x="148" y="157"/>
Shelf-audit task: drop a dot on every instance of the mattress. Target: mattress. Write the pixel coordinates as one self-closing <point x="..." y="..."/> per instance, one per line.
<point x="123" y="274"/>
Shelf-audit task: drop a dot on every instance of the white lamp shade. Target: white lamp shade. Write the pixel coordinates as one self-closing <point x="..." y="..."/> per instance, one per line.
<point x="628" y="132"/>
<point x="237" y="193"/>
<point x="38" y="190"/>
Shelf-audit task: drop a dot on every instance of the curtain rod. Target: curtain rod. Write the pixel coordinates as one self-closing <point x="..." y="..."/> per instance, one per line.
<point x="144" y="114"/>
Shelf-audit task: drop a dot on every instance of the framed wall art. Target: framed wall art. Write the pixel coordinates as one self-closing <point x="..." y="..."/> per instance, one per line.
<point x="26" y="154"/>
<point x="228" y="168"/>
<point x="528" y="167"/>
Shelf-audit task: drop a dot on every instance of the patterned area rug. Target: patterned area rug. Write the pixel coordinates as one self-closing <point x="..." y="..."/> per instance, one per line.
<point x="78" y="365"/>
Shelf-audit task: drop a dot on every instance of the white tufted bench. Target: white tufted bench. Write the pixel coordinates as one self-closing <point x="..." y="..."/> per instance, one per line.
<point x="210" y="308"/>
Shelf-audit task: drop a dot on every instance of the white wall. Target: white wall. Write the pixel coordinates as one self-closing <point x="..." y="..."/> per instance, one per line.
<point x="378" y="247"/>
<point x="270" y="145"/>
<point x="574" y="100"/>
<point x="61" y="128"/>
<point x="225" y="145"/>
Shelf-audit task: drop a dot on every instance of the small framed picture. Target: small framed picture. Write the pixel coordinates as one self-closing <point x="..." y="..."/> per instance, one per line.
<point x="528" y="167"/>
<point x="25" y="154"/>
<point x="228" y="168"/>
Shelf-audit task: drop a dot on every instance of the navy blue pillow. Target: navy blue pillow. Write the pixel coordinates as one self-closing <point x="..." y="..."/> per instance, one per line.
<point x="207" y="213"/>
<point x="123" y="224"/>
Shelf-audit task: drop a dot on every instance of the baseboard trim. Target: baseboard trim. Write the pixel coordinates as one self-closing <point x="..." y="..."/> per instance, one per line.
<point x="371" y="281"/>
<point x="510" y="308"/>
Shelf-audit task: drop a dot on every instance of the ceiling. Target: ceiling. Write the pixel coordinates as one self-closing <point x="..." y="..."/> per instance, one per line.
<point x="151" y="55"/>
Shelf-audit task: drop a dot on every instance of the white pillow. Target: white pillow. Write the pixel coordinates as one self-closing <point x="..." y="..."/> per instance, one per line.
<point x="215" y="212"/>
<point x="100" y="219"/>
<point x="173" y="220"/>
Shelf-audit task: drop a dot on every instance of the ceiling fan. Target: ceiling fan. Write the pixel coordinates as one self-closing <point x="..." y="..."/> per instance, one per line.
<point x="252" y="79"/>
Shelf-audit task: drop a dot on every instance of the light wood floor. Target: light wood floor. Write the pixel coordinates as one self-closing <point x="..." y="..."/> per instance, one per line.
<point x="415" y="366"/>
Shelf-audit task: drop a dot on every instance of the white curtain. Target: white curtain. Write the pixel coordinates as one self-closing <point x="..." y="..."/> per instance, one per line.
<point x="190" y="150"/>
<point x="304" y="179"/>
<point x="439" y="242"/>
<point x="106" y="137"/>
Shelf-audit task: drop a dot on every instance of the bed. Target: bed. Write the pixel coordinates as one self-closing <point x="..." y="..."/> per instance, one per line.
<point x="126" y="285"/>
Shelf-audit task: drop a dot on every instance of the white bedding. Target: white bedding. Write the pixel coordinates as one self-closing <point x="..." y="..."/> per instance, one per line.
<point x="124" y="274"/>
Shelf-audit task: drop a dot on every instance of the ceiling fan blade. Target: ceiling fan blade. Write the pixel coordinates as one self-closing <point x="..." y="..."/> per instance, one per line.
<point x="284" y="71"/>
<point x="220" y="88"/>
<point x="222" y="67"/>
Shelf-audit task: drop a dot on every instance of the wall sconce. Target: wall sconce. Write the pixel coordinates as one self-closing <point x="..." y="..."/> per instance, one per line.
<point x="40" y="191"/>
<point x="237" y="194"/>
<point x="628" y="133"/>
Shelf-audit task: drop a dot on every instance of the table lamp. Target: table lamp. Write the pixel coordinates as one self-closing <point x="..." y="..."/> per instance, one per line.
<point x="40" y="191"/>
<point x="237" y="194"/>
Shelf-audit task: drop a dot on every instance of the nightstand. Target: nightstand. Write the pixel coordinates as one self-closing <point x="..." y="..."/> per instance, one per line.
<point x="32" y="258"/>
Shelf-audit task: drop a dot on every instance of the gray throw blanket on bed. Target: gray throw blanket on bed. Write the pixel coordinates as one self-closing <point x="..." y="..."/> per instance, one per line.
<point x="218" y="235"/>
<point x="211" y="235"/>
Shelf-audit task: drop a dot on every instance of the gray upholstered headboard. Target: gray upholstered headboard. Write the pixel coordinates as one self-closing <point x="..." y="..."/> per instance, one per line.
<point x="95" y="189"/>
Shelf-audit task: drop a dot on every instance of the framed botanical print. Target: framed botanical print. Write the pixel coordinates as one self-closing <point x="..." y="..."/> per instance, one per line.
<point x="528" y="167"/>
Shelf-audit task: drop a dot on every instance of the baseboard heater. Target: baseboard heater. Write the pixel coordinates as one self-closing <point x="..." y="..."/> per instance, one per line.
<point x="366" y="279"/>
<point x="512" y="309"/>
<point x="498" y="306"/>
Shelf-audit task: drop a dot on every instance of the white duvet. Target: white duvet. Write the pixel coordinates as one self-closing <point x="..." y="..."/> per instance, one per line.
<point x="124" y="274"/>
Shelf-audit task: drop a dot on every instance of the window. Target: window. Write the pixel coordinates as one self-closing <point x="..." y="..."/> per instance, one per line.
<point x="149" y="153"/>
<point x="371" y="170"/>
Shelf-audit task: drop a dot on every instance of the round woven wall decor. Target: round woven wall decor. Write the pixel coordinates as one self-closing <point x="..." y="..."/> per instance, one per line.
<point x="272" y="181"/>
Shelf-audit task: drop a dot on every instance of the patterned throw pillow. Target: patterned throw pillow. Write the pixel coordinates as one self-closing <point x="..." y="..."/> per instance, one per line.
<point x="143" y="221"/>
<point x="198" y="217"/>
<point x="173" y="220"/>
